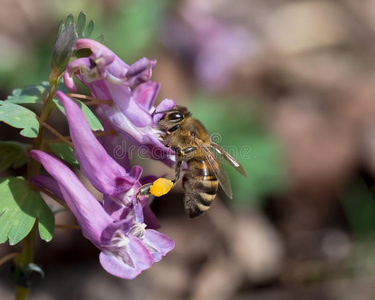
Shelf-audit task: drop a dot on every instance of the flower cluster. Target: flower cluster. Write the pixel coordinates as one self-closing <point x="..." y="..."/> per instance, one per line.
<point x="122" y="227"/>
<point x="216" y="46"/>
<point x="130" y="111"/>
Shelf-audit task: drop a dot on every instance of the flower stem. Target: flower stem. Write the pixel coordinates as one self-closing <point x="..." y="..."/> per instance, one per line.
<point x="67" y="139"/>
<point x="92" y="100"/>
<point x="56" y="133"/>
<point x="22" y="293"/>
<point x="48" y="105"/>
<point x="72" y="227"/>
<point x="51" y="195"/>
<point x="27" y="255"/>
<point x="105" y="133"/>
<point x="8" y="257"/>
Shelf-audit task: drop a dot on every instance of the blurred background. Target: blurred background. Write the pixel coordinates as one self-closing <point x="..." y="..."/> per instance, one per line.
<point x="288" y="87"/>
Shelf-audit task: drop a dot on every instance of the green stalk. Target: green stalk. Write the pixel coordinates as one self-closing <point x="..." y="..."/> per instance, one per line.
<point x="48" y="105"/>
<point x="27" y="255"/>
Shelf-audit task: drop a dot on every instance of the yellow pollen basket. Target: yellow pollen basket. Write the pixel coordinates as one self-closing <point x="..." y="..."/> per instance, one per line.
<point x="161" y="186"/>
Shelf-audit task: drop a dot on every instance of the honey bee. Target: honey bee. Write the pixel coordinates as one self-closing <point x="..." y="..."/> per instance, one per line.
<point x="189" y="139"/>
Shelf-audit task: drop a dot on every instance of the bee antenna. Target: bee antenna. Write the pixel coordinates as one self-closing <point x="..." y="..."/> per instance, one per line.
<point x="165" y="111"/>
<point x="162" y="112"/>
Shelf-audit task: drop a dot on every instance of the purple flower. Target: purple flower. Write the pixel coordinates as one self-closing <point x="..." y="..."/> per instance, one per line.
<point x="213" y="47"/>
<point x="116" y="226"/>
<point x="109" y="78"/>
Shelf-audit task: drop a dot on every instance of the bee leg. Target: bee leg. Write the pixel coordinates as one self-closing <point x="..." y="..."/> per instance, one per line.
<point x="173" y="129"/>
<point x="144" y="190"/>
<point x="176" y="149"/>
<point x="177" y="171"/>
<point x="181" y="153"/>
<point x="188" y="150"/>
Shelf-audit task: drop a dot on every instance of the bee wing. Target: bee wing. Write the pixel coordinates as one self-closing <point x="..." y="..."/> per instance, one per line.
<point x="220" y="173"/>
<point x="229" y="158"/>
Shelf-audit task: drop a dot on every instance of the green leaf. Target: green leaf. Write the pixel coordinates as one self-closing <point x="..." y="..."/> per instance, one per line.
<point x="13" y="154"/>
<point x="32" y="94"/>
<point x="19" y="117"/>
<point x="81" y="29"/>
<point x="80" y="25"/>
<point x="100" y="38"/>
<point x="61" y="28"/>
<point x="93" y="121"/>
<point x="89" y="29"/>
<point x="65" y="152"/>
<point x="69" y="20"/>
<point x="20" y="205"/>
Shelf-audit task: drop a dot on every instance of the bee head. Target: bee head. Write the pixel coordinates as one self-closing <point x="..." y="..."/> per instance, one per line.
<point x="176" y="114"/>
<point x="173" y="118"/>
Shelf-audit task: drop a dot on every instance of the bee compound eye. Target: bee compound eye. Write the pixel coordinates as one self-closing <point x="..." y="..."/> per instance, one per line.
<point x="175" y="116"/>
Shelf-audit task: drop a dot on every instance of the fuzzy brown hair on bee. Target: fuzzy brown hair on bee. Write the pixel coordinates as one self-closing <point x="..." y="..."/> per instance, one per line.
<point x="189" y="139"/>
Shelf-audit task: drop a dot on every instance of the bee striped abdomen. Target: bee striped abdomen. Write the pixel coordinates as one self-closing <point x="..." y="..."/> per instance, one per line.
<point x="201" y="185"/>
